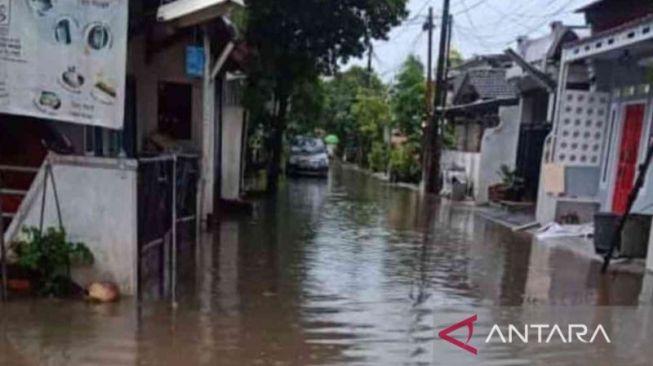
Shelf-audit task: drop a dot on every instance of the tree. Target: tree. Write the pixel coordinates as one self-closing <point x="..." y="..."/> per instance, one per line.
<point x="408" y="97"/>
<point x="307" y="107"/>
<point x="295" y="41"/>
<point x="341" y="93"/>
<point x="372" y="115"/>
<point x="455" y="58"/>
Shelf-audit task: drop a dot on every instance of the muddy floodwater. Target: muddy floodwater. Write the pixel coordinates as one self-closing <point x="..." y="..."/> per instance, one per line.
<point x="349" y="271"/>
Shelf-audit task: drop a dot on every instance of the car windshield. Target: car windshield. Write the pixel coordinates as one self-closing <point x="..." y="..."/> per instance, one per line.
<point x="308" y="146"/>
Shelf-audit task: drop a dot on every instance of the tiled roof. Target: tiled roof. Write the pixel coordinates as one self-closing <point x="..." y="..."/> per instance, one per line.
<point x="490" y="84"/>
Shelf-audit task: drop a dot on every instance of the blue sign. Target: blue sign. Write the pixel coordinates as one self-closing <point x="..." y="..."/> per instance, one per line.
<point x="195" y="61"/>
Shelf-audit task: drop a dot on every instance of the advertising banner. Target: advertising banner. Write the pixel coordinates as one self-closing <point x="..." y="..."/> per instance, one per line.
<point x="64" y="60"/>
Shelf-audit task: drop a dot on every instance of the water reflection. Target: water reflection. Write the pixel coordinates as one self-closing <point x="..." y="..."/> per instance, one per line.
<point x="344" y="271"/>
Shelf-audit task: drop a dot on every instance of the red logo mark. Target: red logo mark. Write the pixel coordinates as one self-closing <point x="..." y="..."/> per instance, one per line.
<point x="469" y="323"/>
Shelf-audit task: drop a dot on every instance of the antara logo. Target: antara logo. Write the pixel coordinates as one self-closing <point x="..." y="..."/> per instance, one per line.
<point x="528" y="333"/>
<point x="469" y="323"/>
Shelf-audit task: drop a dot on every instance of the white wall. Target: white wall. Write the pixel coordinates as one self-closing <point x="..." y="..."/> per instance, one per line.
<point x="499" y="147"/>
<point x="99" y="207"/>
<point x="467" y="161"/>
<point x="232" y="135"/>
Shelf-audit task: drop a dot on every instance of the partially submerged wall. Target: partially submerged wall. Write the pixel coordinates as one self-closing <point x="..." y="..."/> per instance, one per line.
<point x="499" y="147"/>
<point x="98" y="200"/>
<point x="462" y="161"/>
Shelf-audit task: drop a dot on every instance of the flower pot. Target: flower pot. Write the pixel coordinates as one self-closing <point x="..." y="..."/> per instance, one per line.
<point x="497" y="193"/>
<point x="22" y="286"/>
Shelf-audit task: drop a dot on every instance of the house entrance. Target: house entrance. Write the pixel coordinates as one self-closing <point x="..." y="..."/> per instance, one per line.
<point x="628" y="156"/>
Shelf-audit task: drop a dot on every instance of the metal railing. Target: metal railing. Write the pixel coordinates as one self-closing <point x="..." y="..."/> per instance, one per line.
<point x="168" y="199"/>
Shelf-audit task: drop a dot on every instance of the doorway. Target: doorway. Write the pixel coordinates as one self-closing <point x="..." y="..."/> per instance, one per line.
<point x="176" y="110"/>
<point x="628" y="155"/>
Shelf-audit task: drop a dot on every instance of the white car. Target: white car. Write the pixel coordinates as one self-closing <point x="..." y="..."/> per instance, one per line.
<point x="308" y="156"/>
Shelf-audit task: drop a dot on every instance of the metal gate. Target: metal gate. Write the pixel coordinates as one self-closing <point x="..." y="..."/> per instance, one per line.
<point x="167" y="221"/>
<point x="529" y="156"/>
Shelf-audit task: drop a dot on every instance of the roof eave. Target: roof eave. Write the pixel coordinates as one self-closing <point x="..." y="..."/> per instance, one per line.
<point x="186" y="13"/>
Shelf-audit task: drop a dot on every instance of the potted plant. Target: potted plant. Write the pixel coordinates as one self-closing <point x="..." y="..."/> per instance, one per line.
<point x="511" y="187"/>
<point x="49" y="256"/>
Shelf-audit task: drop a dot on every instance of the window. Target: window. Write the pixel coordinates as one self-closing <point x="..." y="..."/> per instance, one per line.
<point x="175" y="110"/>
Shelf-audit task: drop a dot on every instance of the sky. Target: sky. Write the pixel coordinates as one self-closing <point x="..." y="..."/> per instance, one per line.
<point x="480" y="27"/>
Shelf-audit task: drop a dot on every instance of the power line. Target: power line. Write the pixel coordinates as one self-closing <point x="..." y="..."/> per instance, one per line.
<point x="467" y="15"/>
<point x="489" y="41"/>
<point x="411" y="51"/>
<point x="472" y="7"/>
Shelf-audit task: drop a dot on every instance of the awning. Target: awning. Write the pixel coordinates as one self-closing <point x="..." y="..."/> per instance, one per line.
<point x="192" y="12"/>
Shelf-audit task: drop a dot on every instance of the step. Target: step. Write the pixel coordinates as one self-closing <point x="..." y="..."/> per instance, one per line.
<point x="20" y="181"/>
<point x="18" y="169"/>
<point x="12" y="192"/>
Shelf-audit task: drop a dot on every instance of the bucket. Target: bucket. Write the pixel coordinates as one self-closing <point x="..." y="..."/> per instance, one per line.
<point x="605" y="224"/>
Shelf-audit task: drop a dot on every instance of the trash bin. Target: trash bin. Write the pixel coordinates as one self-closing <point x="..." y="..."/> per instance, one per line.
<point x="605" y="224"/>
<point x="458" y="190"/>
<point x="635" y="236"/>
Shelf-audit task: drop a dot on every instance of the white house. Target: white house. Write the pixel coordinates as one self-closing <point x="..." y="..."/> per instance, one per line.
<point x="602" y="130"/>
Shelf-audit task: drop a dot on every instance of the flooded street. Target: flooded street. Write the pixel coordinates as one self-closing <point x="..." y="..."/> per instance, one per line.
<point x="348" y="271"/>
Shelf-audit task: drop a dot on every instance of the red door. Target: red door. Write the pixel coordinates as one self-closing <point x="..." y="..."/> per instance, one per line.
<point x="628" y="156"/>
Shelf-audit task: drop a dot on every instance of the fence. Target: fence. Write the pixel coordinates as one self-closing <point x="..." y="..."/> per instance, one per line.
<point x="168" y="220"/>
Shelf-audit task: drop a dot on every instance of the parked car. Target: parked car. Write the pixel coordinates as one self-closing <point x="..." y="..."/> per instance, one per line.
<point x="308" y="156"/>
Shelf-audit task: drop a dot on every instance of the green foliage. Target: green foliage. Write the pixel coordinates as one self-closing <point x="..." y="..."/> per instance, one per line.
<point x="409" y="97"/>
<point x="509" y="177"/>
<point x="50" y="255"/>
<point x="405" y="164"/>
<point x="371" y="113"/>
<point x="306" y="107"/>
<point x="449" y="136"/>
<point x="455" y="58"/>
<point x="341" y="93"/>
<point x="295" y="42"/>
<point x="379" y="157"/>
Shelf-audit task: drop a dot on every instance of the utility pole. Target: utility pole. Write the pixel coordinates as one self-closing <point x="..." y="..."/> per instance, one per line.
<point x="370" y="52"/>
<point x="428" y="26"/>
<point x="433" y="130"/>
<point x="447" y="66"/>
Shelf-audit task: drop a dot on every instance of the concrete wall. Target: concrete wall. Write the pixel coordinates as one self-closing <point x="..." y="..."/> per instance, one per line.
<point x="232" y="134"/>
<point x="469" y="162"/>
<point x="99" y="207"/>
<point x="499" y="147"/>
<point x="546" y="204"/>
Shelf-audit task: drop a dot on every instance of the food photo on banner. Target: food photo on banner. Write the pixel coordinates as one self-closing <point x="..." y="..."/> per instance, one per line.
<point x="60" y="63"/>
